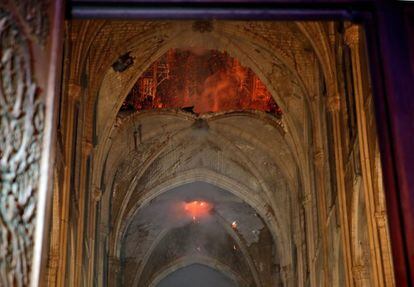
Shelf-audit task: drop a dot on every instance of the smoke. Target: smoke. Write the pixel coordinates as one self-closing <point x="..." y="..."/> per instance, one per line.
<point x="207" y="80"/>
<point x="209" y="224"/>
<point x="197" y="275"/>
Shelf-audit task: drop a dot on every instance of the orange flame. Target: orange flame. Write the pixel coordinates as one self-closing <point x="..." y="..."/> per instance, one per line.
<point x="197" y="209"/>
<point x="211" y="81"/>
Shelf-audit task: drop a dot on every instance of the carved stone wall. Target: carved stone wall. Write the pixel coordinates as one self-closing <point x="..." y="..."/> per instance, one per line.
<point x="24" y="30"/>
<point x="22" y="114"/>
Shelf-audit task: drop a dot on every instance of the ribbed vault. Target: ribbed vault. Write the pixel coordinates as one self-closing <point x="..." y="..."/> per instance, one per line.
<point x="241" y="152"/>
<point x="246" y="157"/>
<point x="286" y="77"/>
<point x="233" y="152"/>
<point x="167" y="234"/>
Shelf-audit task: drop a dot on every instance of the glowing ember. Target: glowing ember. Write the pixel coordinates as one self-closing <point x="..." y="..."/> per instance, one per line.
<point x="210" y="81"/>
<point x="234" y="225"/>
<point x="197" y="209"/>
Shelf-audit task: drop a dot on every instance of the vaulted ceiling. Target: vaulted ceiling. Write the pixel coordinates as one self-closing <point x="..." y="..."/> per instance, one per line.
<point x="214" y="191"/>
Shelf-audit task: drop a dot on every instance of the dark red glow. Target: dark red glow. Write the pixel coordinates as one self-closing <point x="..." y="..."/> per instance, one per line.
<point x="197" y="209"/>
<point x="202" y="81"/>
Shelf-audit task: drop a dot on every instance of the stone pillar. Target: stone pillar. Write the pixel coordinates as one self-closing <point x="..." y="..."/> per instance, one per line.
<point x="93" y="238"/>
<point x="83" y="201"/>
<point x="352" y="38"/>
<point x="73" y="95"/>
<point x="319" y="165"/>
<point x="53" y="264"/>
<point x="333" y="105"/>
<point x="102" y="253"/>
<point x="307" y="205"/>
<point x="287" y="276"/>
<point x="361" y="276"/>
<point x="113" y="270"/>
<point x="382" y="224"/>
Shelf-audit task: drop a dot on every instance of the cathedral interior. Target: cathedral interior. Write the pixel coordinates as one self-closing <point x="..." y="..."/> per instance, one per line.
<point x="201" y="150"/>
<point x="217" y="153"/>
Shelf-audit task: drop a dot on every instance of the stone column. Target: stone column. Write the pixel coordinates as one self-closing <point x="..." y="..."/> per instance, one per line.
<point x="83" y="201"/>
<point x="352" y="38"/>
<point x="307" y="205"/>
<point x="93" y="238"/>
<point x="333" y="104"/>
<point x="382" y="224"/>
<point x="319" y="163"/>
<point x="287" y="276"/>
<point x="73" y="95"/>
<point x="361" y="276"/>
<point x="113" y="270"/>
<point x="53" y="264"/>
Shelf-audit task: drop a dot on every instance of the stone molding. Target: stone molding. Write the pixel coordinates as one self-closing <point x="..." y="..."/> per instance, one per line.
<point x="352" y="35"/>
<point x="333" y="103"/>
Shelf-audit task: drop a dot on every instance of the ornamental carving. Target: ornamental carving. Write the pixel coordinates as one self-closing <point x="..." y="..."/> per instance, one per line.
<point x="352" y="35"/>
<point x="21" y="130"/>
<point x="34" y="13"/>
<point x="333" y="103"/>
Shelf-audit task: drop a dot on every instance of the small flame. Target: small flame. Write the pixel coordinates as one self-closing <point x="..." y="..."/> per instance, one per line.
<point x="234" y="225"/>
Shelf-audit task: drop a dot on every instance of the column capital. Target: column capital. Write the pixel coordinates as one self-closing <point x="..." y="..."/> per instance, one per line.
<point x="352" y="35"/>
<point x="381" y="218"/>
<point x="332" y="38"/>
<point x="286" y="272"/>
<point x="307" y="198"/>
<point x="97" y="193"/>
<point x="87" y="147"/>
<point x="333" y="103"/>
<point x="74" y="91"/>
<point x="319" y="157"/>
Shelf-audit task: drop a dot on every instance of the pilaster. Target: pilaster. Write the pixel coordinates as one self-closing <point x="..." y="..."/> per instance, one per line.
<point x="73" y="95"/>
<point x="352" y="39"/>
<point x="361" y="276"/>
<point x="333" y="105"/>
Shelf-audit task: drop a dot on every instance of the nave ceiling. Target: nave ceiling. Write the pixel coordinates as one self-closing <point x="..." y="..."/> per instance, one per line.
<point x="205" y="148"/>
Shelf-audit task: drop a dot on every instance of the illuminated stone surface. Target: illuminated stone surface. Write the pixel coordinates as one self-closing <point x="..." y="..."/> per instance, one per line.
<point x="201" y="80"/>
<point x="266" y="121"/>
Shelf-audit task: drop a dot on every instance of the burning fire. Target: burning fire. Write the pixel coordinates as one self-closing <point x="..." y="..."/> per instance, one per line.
<point x="234" y="225"/>
<point x="210" y="81"/>
<point x="197" y="209"/>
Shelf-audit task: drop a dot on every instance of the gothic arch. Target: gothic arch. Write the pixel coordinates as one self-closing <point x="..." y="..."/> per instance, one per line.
<point x="200" y="260"/>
